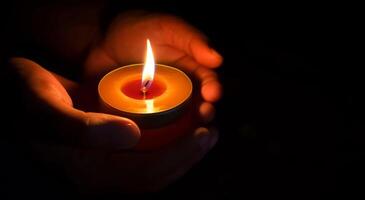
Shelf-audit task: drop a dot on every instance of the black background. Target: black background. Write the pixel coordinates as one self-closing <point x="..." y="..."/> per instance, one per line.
<point x="290" y="119"/>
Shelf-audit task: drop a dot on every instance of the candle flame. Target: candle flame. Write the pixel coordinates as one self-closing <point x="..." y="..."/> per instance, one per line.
<point x="149" y="106"/>
<point x="148" y="69"/>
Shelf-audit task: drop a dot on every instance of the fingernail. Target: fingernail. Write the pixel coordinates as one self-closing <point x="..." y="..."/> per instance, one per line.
<point x="114" y="135"/>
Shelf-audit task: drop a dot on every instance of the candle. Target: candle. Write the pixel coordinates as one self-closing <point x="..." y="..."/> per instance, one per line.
<point x="155" y="96"/>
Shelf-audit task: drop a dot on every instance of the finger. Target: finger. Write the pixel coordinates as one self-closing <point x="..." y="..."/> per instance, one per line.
<point x="203" y="54"/>
<point x="206" y="112"/>
<point x="151" y="171"/>
<point x="186" y="38"/>
<point x="196" y="144"/>
<point x="98" y="63"/>
<point x="182" y="169"/>
<point x="211" y="89"/>
<point x="50" y="100"/>
<point x="182" y="157"/>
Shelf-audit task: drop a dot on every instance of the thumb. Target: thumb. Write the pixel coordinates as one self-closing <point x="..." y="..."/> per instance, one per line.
<point x="107" y="131"/>
<point x="53" y="111"/>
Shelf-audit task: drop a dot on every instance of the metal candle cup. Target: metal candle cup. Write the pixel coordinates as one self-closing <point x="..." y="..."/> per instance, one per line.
<point x="169" y="94"/>
<point x="152" y="95"/>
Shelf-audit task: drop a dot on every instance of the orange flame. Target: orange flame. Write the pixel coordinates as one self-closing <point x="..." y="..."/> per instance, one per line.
<point x="148" y="69"/>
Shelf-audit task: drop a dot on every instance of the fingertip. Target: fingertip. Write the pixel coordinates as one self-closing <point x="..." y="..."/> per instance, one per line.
<point x="114" y="132"/>
<point x="207" y="138"/>
<point x="207" y="112"/>
<point x="216" y="58"/>
<point x="124" y="133"/>
<point x="202" y="134"/>
<point x="205" y="55"/>
<point x="212" y="91"/>
<point x="131" y="126"/>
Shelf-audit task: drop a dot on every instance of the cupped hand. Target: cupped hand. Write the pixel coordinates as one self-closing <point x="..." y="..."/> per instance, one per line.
<point x="174" y="42"/>
<point x="95" y="147"/>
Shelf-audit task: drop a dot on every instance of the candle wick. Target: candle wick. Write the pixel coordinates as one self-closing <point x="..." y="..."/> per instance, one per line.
<point x="144" y="88"/>
<point x="144" y="91"/>
<point x="144" y="94"/>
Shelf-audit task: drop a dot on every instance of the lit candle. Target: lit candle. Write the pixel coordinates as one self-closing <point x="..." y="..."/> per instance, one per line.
<point x="153" y="95"/>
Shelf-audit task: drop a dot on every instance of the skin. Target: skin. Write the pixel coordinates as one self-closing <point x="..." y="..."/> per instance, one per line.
<point x="95" y="148"/>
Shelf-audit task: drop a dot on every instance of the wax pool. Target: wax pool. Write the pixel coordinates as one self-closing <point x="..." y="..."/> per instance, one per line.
<point x="133" y="89"/>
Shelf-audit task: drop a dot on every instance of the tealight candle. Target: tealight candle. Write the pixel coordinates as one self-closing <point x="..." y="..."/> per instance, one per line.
<point x="153" y="95"/>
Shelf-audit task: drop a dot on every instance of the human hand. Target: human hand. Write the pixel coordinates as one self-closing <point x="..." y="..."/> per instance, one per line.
<point x="174" y="42"/>
<point x="93" y="147"/>
<point x="88" y="150"/>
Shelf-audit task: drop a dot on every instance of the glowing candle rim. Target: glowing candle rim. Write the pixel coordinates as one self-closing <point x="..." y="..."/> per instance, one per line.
<point x="162" y="111"/>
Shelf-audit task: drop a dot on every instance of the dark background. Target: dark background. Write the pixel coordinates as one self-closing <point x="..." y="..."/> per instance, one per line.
<point x="290" y="121"/>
